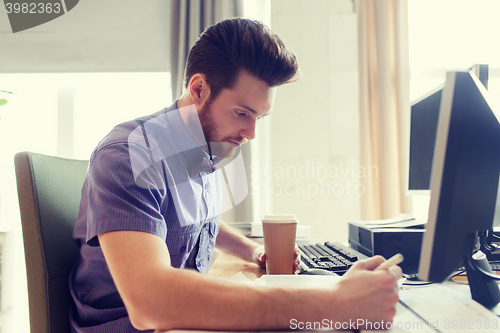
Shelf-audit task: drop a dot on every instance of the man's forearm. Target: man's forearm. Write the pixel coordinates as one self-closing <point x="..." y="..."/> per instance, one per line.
<point x="212" y="303"/>
<point x="158" y="296"/>
<point x="182" y="299"/>
<point x="231" y="241"/>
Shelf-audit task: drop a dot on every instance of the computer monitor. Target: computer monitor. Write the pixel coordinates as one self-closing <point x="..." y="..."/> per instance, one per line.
<point x="424" y="113"/>
<point x="464" y="186"/>
<point x="423" y="125"/>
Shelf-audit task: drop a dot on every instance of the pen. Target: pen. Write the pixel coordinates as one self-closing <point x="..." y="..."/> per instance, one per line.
<point x="394" y="260"/>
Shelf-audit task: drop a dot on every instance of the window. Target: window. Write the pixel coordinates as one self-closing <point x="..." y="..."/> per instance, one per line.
<point x="65" y="115"/>
<point x="450" y="35"/>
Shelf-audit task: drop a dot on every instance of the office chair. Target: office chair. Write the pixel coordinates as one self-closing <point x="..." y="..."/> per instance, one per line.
<point x="49" y="190"/>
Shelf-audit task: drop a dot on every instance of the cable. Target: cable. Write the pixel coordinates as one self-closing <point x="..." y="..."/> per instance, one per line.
<point x="425" y="283"/>
<point x="458" y="272"/>
<point x="485" y="245"/>
<point x="406" y="283"/>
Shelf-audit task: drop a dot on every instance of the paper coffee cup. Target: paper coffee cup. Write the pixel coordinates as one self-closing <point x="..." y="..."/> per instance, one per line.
<point x="279" y="242"/>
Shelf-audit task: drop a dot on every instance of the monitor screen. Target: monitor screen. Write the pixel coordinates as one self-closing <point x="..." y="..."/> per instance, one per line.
<point x="464" y="180"/>
<point x="423" y="125"/>
<point x="424" y="114"/>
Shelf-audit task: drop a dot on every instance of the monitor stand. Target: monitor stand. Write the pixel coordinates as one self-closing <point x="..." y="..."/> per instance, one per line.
<point x="483" y="288"/>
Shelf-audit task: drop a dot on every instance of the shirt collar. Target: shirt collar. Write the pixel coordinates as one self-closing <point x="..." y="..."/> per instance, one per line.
<point x="197" y="159"/>
<point x="205" y="165"/>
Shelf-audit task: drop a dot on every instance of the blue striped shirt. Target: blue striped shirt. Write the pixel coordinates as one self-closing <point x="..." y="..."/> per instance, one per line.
<point x="140" y="178"/>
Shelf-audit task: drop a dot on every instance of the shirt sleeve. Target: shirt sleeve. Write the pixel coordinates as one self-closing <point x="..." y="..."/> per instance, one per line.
<point x="119" y="199"/>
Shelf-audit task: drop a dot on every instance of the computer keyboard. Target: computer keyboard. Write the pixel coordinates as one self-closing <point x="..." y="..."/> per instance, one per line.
<point x="331" y="256"/>
<point x="334" y="257"/>
<point x="338" y="258"/>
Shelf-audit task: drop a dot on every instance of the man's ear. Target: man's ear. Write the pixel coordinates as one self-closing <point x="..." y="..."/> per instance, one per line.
<point x="198" y="89"/>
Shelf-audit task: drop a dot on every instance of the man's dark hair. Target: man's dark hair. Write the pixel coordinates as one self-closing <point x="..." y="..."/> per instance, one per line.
<point x="232" y="45"/>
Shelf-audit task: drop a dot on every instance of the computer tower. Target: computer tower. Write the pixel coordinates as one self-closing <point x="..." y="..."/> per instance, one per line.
<point x="387" y="242"/>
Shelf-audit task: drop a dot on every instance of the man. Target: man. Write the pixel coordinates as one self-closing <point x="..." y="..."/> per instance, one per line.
<point x="149" y="213"/>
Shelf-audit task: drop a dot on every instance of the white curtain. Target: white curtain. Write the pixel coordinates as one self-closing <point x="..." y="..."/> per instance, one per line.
<point x="189" y="19"/>
<point x="384" y="105"/>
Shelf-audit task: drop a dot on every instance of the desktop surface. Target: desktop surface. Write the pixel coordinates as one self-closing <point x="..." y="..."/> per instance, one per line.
<point x="227" y="266"/>
<point x="452" y="299"/>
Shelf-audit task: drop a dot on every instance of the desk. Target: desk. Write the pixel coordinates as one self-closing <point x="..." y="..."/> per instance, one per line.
<point x="226" y="265"/>
<point x="438" y="305"/>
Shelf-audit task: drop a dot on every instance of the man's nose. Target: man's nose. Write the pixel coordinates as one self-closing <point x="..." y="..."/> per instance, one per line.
<point x="249" y="131"/>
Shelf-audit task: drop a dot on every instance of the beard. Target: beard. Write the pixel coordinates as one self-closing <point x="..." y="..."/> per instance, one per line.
<point x="219" y="147"/>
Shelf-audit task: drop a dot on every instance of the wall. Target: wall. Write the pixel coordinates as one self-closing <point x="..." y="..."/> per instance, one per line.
<point x="315" y="132"/>
<point x="95" y="36"/>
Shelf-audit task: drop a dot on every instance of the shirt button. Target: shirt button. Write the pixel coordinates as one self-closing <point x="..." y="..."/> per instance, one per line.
<point x="182" y="249"/>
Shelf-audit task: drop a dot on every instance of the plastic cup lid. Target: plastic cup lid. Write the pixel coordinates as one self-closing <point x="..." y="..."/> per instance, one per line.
<point x="280" y="218"/>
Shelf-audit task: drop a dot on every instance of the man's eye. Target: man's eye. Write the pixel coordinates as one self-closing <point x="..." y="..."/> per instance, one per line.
<point x="241" y="114"/>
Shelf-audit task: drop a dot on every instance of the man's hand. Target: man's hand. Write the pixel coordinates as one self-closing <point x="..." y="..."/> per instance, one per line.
<point x="259" y="257"/>
<point x="242" y="247"/>
<point x="368" y="294"/>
